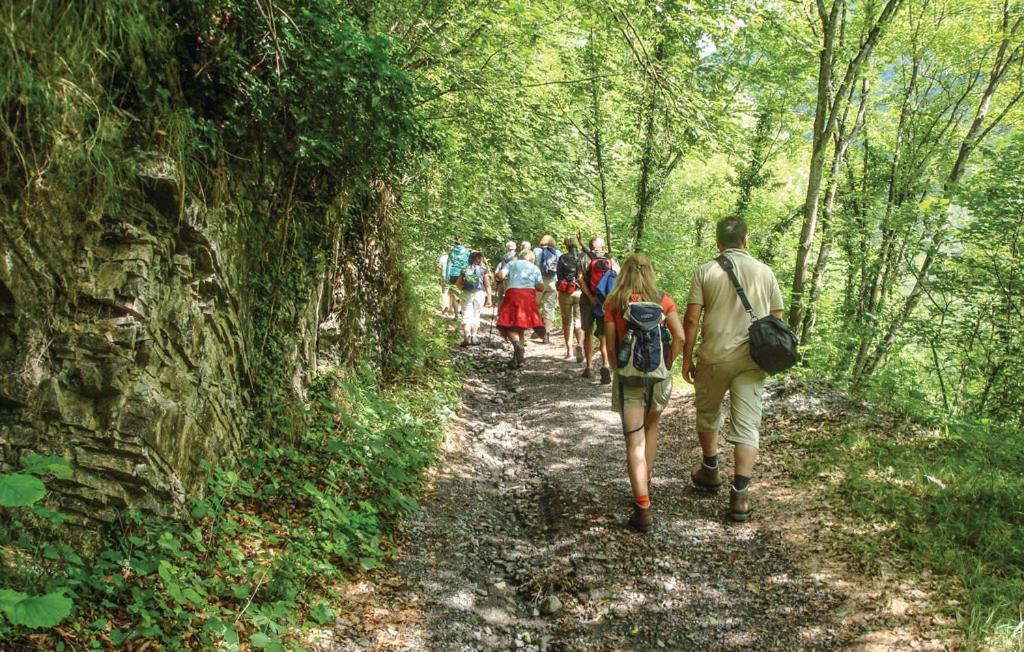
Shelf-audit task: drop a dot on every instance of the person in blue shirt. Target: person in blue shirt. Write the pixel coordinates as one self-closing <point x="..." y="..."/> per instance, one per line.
<point x="518" y="310"/>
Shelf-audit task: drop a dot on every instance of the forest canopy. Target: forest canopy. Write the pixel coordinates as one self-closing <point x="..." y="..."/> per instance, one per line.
<point x="874" y="148"/>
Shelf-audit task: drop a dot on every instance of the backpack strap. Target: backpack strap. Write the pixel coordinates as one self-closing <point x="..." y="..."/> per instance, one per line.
<point x="727" y="265"/>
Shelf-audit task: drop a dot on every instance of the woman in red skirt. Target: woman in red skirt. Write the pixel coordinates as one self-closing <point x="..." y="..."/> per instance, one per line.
<point x="518" y="310"/>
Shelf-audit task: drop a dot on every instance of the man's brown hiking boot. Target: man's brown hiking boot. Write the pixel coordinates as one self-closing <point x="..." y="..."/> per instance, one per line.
<point x="739" y="504"/>
<point x="642" y="520"/>
<point x="606" y="375"/>
<point x="706" y="477"/>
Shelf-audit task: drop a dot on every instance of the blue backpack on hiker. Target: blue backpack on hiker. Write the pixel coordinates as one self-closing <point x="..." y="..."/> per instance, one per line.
<point x="548" y="261"/>
<point x="473" y="278"/>
<point x="604" y="288"/>
<point x="457" y="261"/>
<point x="641" y="356"/>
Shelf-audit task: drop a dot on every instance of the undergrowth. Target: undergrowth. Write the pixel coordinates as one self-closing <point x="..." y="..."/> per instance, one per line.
<point x="256" y="558"/>
<point x="951" y="497"/>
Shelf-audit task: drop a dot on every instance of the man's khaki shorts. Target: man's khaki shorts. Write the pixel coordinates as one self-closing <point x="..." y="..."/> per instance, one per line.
<point x="744" y="381"/>
<point x="590" y="322"/>
<point x="569" y="308"/>
<point x="637" y="396"/>
<point x="547" y="300"/>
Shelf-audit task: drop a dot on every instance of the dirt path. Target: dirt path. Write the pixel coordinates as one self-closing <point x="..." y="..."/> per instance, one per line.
<point x="522" y="543"/>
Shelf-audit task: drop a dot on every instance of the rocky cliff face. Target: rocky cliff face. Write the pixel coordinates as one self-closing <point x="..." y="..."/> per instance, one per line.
<point x="127" y="337"/>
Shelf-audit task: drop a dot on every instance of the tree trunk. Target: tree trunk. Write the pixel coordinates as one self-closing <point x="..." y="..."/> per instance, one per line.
<point x="750" y="177"/>
<point x="595" y="116"/>
<point x="825" y="116"/>
<point x="977" y="130"/>
<point x="843" y="141"/>
<point x="644" y="186"/>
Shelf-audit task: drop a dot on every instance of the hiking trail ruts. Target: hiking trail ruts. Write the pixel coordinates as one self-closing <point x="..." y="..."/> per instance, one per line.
<point x="521" y="542"/>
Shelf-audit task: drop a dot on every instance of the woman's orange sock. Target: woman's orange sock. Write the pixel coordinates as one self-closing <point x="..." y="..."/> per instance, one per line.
<point x="643" y="502"/>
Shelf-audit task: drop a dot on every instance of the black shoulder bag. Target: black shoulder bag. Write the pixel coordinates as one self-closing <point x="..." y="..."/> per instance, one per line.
<point x="772" y="344"/>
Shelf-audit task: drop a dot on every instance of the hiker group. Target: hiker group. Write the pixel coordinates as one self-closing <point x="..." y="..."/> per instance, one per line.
<point x="735" y="299"/>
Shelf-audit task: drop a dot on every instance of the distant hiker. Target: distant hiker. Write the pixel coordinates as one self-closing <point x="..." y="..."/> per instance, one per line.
<point x="458" y="258"/>
<point x="507" y="257"/>
<point x="568" y="285"/>
<point x="476" y="295"/>
<point x="725" y="363"/>
<point x="592" y="271"/>
<point x="442" y="270"/>
<point x="519" y="309"/>
<point x="525" y="253"/>
<point x="638" y="320"/>
<point x="547" y="260"/>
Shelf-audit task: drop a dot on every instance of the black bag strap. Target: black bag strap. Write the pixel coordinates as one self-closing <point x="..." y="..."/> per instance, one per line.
<point x="726" y="264"/>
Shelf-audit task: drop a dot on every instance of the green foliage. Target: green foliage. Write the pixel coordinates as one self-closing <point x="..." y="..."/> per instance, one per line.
<point x="23" y="490"/>
<point x="951" y="498"/>
<point x="20" y="490"/>
<point x="257" y="556"/>
<point x="35" y="611"/>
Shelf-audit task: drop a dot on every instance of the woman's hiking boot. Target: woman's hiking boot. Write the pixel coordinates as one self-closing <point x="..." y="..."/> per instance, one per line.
<point x="520" y="353"/>
<point x="588" y="373"/>
<point x="739" y="504"/>
<point x="579" y="352"/>
<point x="606" y="375"/>
<point x="706" y="477"/>
<point x="642" y="519"/>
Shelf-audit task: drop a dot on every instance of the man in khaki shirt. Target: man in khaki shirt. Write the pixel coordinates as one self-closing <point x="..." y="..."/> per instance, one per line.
<point x="725" y="362"/>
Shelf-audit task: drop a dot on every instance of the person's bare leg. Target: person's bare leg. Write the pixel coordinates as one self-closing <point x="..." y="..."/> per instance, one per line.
<point x="651" y="440"/>
<point x="602" y="340"/>
<point x="636" y="453"/>
<point x="745" y="458"/>
<point x="566" y="328"/>
<point x="708" y="443"/>
<point x="588" y="350"/>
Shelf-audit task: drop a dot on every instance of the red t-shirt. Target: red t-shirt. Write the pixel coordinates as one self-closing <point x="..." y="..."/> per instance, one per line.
<point x="667" y="305"/>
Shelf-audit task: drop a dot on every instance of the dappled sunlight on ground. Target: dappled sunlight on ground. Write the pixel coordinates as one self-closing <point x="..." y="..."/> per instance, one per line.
<point x="522" y="541"/>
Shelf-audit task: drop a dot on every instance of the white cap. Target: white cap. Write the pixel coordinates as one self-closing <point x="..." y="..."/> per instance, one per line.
<point x="525" y="244"/>
<point x="510" y="245"/>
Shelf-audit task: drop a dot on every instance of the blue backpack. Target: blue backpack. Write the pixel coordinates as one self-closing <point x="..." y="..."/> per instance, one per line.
<point x="457" y="261"/>
<point x="604" y="288"/>
<point x="641" y="359"/>
<point x="548" y="261"/>
<point x="473" y="278"/>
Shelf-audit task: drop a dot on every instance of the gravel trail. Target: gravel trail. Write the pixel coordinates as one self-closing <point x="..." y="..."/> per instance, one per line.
<point x="522" y="540"/>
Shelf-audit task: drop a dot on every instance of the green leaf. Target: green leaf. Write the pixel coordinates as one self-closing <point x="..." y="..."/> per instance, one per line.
<point x="9" y="597"/>
<point x="226" y="631"/>
<point x="40" y="610"/>
<point x="322" y="614"/>
<point x="20" y="490"/>
<point x="260" y="640"/>
<point x="51" y="464"/>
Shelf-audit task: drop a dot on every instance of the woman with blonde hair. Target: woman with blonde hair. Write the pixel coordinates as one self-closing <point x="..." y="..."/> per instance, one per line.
<point x="638" y="319"/>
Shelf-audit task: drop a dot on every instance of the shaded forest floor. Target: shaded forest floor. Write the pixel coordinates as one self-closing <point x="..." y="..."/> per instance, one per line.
<point x="522" y="542"/>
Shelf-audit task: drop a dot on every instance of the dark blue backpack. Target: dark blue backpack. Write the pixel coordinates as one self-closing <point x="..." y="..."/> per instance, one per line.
<point x="548" y="261"/>
<point x="473" y="278"/>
